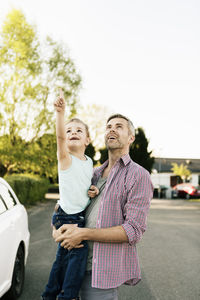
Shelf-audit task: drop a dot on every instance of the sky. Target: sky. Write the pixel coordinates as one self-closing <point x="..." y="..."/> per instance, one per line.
<point x="138" y="58"/>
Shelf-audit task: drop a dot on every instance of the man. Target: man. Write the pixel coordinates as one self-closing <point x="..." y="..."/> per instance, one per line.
<point x="115" y="219"/>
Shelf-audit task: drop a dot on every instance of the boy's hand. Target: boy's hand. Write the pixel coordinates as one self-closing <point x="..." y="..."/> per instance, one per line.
<point x="93" y="191"/>
<point x="55" y="233"/>
<point x="59" y="104"/>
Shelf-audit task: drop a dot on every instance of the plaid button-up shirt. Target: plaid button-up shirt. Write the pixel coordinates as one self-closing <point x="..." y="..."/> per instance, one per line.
<point x="125" y="201"/>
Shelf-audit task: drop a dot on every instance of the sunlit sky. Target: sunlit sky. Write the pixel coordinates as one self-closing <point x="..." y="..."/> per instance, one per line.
<point x="138" y="58"/>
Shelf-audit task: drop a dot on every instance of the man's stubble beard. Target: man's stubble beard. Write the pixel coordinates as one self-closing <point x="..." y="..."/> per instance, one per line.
<point x="118" y="145"/>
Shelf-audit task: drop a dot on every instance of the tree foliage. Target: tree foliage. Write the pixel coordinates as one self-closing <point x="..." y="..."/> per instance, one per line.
<point x="181" y="170"/>
<point x="43" y="157"/>
<point x="37" y="157"/>
<point x="90" y="151"/>
<point x="139" y="150"/>
<point x="19" y="65"/>
<point x="103" y="155"/>
<point x="31" y="72"/>
<point x="12" y="158"/>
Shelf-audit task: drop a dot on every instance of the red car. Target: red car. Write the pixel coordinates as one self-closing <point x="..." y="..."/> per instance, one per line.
<point x="186" y="190"/>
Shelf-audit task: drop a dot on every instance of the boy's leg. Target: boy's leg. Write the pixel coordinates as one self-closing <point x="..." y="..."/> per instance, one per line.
<point x="75" y="260"/>
<point x="57" y="274"/>
<point x="74" y="275"/>
<point x="87" y="292"/>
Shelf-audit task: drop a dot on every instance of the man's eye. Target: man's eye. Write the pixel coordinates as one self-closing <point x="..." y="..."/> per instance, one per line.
<point x="68" y="131"/>
<point x="79" y="130"/>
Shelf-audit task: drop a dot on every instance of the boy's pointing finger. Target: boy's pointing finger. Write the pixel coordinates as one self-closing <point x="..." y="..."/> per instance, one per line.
<point x="61" y="94"/>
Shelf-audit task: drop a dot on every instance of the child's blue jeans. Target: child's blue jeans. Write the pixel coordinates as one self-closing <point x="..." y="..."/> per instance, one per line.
<point x="68" y="270"/>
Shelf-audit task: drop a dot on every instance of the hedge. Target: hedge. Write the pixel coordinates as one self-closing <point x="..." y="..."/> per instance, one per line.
<point x="28" y="188"/>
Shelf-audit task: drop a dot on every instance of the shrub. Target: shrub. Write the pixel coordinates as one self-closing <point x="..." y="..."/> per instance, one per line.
<point x="28" y="188"/>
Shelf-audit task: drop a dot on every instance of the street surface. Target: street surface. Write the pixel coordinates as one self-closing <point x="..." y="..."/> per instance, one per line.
<point x="169" y="253"/>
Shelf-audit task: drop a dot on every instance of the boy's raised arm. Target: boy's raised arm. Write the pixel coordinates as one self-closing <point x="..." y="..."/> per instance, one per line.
<point x="64" y="158"/>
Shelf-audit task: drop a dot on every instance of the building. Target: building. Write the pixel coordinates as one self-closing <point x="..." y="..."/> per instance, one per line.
<point x="163" y="178"/>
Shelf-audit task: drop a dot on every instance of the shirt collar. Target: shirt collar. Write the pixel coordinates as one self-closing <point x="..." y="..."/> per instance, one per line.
<point x="125" y="159"/>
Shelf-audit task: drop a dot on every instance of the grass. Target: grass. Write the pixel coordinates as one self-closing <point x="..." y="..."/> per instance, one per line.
<point x="194" y="200"/>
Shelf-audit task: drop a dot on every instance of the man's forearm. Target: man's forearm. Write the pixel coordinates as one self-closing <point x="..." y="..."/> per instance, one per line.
<point x="71" y="236"/>
<point x="114" y="234"/>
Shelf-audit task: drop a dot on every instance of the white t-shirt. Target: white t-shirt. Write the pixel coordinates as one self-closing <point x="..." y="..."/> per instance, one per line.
<point x="74" y="184"/>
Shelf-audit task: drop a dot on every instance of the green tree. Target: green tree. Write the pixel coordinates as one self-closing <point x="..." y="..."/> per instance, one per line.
<point x="103" y="155"/>
<point x="90" y="151"/>
<point x="44" y="157"/>
<point x="19" y="66"/>
<point x="38" y="157"/>
<point x="31" y="73"/>
<point x="12" y="158"/>
<point x="181" y="170"/>
<point x="58" y="71"/>
<point x="138" y="151"/>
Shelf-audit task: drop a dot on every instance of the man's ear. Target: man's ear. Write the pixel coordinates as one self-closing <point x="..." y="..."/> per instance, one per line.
<point x="131" y="139"/>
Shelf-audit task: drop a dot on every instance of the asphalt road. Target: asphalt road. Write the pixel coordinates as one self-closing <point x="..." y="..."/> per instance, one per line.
<point x="169" y="253"/>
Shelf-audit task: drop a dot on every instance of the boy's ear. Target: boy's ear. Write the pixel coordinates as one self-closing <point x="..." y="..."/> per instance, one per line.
<point x="88" y="141"/>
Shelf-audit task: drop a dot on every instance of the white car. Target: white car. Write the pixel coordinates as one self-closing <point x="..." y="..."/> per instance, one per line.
<point x="14" y="242"/>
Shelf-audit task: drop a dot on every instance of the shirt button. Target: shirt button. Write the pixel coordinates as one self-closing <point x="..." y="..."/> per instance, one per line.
<point x="98" y="222"/>
<point x="94" y="261"/>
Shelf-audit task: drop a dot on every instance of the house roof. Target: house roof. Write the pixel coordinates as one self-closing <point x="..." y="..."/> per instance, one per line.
<point x="163" y="164"/>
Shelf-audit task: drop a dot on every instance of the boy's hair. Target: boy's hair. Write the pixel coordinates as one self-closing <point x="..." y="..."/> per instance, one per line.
<point x="130" y="124"/>
<point x="79" y="121"/>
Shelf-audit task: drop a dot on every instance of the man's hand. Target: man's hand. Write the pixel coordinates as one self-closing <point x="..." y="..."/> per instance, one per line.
<point x="70" y="236"/>
<point x="93" y="191"/>
<point x="59" y="104"/>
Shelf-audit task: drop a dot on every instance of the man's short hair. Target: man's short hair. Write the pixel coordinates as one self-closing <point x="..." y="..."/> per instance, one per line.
<point x="130" y="124"/>
<point x="79" y="121"/>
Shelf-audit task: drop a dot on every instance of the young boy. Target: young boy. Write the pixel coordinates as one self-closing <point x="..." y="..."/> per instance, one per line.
<point x="75" y="172"/>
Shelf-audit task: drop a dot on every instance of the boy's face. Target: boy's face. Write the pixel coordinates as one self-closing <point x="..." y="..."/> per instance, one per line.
<point x="76" y="135"/>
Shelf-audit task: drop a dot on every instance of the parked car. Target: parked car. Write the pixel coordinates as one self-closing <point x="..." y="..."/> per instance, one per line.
<point x="14" y="237"/>
<point x="185" y="190"/>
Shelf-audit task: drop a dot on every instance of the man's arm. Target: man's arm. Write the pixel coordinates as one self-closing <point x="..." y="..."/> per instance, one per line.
<point x="137" y="207"/>
<point x="72" y="236"/>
